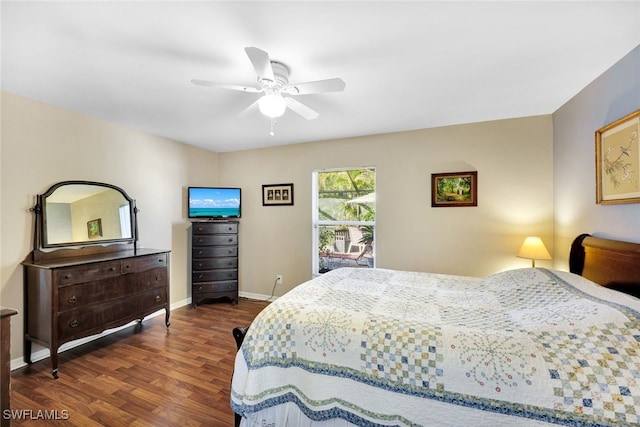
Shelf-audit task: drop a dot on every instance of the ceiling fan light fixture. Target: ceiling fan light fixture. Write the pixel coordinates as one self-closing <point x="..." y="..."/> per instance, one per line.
<point x="272" y="105"/>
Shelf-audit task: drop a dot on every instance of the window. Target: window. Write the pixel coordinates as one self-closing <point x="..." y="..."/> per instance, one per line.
<point x="344" y="213"/>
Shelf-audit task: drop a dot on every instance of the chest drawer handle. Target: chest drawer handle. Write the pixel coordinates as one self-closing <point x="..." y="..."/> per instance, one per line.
<point x="112" y="269"/>
<point x="200" y="240"/>
<point x="161" y="260"/>
<point x="199" y="276"/>
<point x="231" y="251"/>
<point x="158" y="298"/>
<point x="68" y="276"/>
<point x="199" y="252"/>
<point x="158" y="277"/>
<point x="74" y="323"/>
<point x="230" y="239"/>
<point x="127" y="266"/>
<point x="73" y="299"/>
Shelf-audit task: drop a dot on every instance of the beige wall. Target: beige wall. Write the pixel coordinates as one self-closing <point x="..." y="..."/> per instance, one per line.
<point x="611" y="96"/>
<point x="41" y="145"/>
<point x="515" y="185"/>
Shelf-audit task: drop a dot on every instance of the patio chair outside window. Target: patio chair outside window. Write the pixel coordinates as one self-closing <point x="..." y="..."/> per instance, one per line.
<point x="355" y="236"/>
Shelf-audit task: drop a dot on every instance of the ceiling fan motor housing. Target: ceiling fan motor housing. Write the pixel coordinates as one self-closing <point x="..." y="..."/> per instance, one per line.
<point x="281" y="78"/>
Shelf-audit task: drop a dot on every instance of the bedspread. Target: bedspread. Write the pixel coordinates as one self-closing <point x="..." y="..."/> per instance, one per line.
<point x="385" y="347"/>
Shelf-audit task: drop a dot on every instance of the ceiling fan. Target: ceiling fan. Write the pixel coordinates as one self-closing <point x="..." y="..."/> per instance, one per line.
<point x="273" y="81"/>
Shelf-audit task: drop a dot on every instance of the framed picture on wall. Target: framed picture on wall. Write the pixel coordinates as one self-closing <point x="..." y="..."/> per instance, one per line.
<point x="618" y="161"/>
<point x="454" y="189"/>
<point x="277" y="195"/>
<point x="94" y="228"/>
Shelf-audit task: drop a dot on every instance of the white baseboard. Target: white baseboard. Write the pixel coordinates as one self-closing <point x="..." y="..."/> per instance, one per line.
<point x="260" y="297"/>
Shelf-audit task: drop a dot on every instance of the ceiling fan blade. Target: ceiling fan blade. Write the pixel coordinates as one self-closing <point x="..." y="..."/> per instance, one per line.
<point x="320" y="86"/>
<point x="301" y="109"/>
<point x="226" y="86"/>
<point x="250" y="109"/>
<point x="261" y="62"/>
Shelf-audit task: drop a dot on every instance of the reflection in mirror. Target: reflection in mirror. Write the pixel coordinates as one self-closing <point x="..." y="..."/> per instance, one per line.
<point x="86" y="213"/>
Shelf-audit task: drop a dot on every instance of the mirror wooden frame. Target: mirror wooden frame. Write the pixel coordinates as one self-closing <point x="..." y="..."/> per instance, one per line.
<point x="41" y="241"/>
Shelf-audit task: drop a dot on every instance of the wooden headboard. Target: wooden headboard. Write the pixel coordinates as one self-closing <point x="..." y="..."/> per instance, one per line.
<point x="611" y="263"/>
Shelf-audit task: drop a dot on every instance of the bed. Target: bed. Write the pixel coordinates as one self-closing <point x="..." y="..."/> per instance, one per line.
<point x="378" y="347"/>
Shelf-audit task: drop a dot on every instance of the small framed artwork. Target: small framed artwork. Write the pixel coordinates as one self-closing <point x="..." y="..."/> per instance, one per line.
<point x="618" y="161"/>
<point x="94" y="228"/>
<point x="454" y="189"/>
<point x="277" y="195"/>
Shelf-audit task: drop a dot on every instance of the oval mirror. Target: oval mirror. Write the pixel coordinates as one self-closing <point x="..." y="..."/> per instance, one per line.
<point x="83" y="212"/>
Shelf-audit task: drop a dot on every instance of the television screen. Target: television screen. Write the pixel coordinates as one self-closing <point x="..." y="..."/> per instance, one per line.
<point x="214" y="202"/>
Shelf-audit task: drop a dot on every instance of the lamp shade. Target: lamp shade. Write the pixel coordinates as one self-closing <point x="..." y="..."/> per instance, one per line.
<point x="272" y="105"/>
<point x="533" y="249"/>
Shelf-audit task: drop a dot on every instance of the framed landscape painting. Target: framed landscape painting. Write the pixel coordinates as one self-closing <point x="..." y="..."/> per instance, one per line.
<point x="618" y="161"/>
<point x="454" y="189"/>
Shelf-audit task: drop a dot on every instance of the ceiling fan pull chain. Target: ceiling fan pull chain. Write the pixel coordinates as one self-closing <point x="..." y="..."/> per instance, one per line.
<point x="273" y="125"/>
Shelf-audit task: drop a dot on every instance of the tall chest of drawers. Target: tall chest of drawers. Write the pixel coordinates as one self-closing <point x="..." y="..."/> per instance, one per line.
<point x="71" y="298"/>
<point x="214" y="261"/>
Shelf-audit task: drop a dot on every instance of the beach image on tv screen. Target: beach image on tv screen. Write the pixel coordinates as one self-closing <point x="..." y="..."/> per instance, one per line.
<point x="214" y="202"/>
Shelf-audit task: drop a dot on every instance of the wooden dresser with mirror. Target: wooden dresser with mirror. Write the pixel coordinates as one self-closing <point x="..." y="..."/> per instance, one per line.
<point x="86" y="274"/>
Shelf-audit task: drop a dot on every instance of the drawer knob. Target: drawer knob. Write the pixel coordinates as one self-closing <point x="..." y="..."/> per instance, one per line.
<point x="127" y="266"/>
<point x="200" y="240"/>
<point x="161" y="260"/>
<point x="199" y="265"/>
<point x="199" y="276"/>
<point x="73" y="299"/>
<point x="68" y="276"/>
<point x="230" y="239"/>
<point x="158" y="277"/>
<point x="158" y="298"/>
<point x="231" y="251"/>
<point x="74" y="323"/>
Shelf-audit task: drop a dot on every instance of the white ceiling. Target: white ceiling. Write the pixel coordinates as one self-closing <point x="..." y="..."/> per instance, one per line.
<point x="407" y="65"/>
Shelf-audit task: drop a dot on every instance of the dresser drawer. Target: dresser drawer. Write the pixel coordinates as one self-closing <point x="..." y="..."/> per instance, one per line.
<point x="215" y="251"/>
<point x="215" y="240"/>
<point x="75" y="323"/>
<point x="207" y="288"/>
<point x="214" y="263"/>
<point x="134" y="265"/>
<point x="156" y="298"/>
<point x="84" y="294"/>
<point x="86" y="273"/>
<point x="214" y="275"/>
<point x="152" y="279"/>
<point x="213" y="228"/>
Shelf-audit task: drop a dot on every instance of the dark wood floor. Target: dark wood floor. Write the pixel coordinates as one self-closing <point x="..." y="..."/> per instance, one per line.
<point x="148" y="376"/>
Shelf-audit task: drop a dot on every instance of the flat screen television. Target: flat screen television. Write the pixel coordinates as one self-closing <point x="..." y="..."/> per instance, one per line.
<point x="213" y="202"/>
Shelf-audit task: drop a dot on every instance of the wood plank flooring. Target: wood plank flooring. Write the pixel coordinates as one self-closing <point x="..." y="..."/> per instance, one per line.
<point x="141" y="376"/>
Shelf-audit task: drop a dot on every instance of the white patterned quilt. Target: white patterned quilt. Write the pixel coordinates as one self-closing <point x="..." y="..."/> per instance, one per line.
<point x="384" y="347"/>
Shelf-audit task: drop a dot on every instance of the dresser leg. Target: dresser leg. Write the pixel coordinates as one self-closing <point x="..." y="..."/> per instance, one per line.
<point x="54" y="362"/>
<point x="166" y="317"/>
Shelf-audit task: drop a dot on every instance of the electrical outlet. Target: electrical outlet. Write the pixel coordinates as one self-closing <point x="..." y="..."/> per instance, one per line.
<point x="278" y="279"/>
